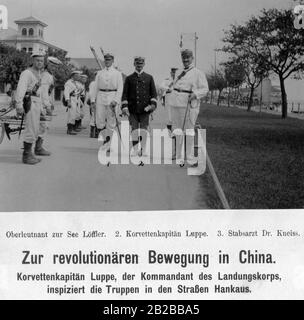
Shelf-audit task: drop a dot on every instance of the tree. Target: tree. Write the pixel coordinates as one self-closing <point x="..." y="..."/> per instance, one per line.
<point x="272" y="39"/>
<point x="234" y="74"/>
<point x="241" y="42"/>
<point x="12" y="63"/>
<point x="217" y="81"/>
<point x="281" y="45"/>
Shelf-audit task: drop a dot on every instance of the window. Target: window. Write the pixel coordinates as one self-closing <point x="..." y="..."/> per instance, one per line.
<point x="31" y="32"/>
<point x="24" y="32"/>
<point x="24" y="49"/>
<point x="30" y="50"/>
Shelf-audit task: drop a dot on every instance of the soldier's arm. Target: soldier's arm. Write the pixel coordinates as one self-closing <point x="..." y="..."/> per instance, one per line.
<point x="119" y="88"/>
<point x="125" y="94"/>
<point x="153" y="93"/>
<point x="94" y="89"/>
<point x="67" y="91"/>
<point x="21" y="89"/>
<point x="201" y="87"/>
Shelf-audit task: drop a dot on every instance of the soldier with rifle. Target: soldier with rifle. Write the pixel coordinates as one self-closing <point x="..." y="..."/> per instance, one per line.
<point x="71" y="99"/>
<point x="47" y="86"/>
<point x="29" y="104"/>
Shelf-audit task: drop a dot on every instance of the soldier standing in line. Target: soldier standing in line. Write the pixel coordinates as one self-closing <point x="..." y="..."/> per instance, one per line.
<point x="80" y="111"/>
<point x="139" y="100"/>
<point x="72" y="98"/>
<point x="47" y="86"/>
<point x="189" y="88"/>
<point x="29" y="103"/>
<point x="93" y="129"/>
<point x="106" y="95"/>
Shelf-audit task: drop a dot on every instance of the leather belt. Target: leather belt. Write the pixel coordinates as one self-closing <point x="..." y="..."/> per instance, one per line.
<point x="108" y="90"/>
<point x="183" y="91"/>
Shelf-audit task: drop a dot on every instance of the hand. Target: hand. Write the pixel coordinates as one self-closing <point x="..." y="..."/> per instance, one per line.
<point x="192" y="97"/>
<point x="125" y="112"/>
<point x="150" y="108"/>
<point x="19" y="111"/>
<point x="113" y="104"/>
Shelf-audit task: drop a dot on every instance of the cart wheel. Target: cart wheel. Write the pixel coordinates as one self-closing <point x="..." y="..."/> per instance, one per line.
<point x="2" y="132"/>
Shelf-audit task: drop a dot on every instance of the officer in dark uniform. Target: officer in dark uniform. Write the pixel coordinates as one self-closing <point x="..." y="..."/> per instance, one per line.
<point x="139" y="100"/>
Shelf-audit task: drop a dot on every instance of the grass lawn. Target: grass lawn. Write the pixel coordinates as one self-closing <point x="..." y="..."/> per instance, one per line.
<point x="259" y="158"/>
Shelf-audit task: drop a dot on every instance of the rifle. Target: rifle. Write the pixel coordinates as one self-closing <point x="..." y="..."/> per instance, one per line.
<point x="96" y="58"/>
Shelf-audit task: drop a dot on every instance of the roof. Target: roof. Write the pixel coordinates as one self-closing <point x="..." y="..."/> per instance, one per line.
<point x="30" y="19"/>
<point x="8" y="34"/>
<point x="90" y="63"/>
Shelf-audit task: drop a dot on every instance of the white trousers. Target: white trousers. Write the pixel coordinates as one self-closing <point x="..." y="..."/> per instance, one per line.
<point x="72" y="112"/>
<point x="32" y="121"/>
<point x="105" y="117"/>
<point x="92" y="119"/>
<point x="178" y="116"/>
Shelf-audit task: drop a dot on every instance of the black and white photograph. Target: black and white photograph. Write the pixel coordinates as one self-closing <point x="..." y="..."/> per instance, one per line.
<point x="162" y="137"/>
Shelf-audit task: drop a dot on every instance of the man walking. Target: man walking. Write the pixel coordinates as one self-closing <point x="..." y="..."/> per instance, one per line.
<point x="72" y="98"/>
<point x="106" y="96"/>
<point x="189" y="88"/>
<point x="139" y="100"/>
<point x="29" y="103"/>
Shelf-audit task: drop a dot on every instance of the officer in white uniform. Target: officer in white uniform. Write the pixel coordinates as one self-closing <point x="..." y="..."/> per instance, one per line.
<point x="72" y="97"/>
<point x="29" y="102"/>
<point x="106" y="96"/>
<point x="190" y="86"/>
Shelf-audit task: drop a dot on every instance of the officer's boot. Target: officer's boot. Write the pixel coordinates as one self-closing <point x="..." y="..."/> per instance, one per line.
<point x="28" y="157"/>
<point x="92" y="131"/>
<point x="70" y="130"/>
<point x="76" y="126"/>
<point x="96" y="133"/>
<point x="80" y="125"/>
<point x="39" y="150"/>
<point x="174" y="148"/>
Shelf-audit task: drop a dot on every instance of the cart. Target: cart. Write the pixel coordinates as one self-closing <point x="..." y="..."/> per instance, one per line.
<point x="9" y="125"/>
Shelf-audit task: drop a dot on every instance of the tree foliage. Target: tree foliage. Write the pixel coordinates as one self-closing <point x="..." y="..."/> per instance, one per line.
<point x="12" y="63"/>
<point x="268" y="43"/>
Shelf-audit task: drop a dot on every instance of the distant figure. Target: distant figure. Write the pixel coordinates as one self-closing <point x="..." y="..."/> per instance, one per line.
<point x="72" y="98"/>
<point x="139" y="100"/>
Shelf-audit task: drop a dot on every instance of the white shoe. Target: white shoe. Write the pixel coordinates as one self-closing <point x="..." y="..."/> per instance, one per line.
<point x="180" y="162"/>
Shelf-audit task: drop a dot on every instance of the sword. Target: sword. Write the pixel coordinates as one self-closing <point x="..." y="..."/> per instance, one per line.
<point x="96" y="58"/>
<point x="118" y="129"/>
<point x="20" y="129"/>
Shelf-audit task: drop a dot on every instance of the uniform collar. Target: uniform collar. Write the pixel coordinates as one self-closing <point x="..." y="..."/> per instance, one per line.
<point x="109" y="69"/>
<point x="190" y="67"/>
<point x="139" y="73"/>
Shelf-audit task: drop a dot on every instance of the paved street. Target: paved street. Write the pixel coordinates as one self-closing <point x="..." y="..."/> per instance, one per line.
<point x="72" y="179"/>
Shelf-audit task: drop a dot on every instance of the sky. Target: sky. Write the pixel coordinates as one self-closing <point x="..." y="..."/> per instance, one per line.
<point x="151" y="28"/>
